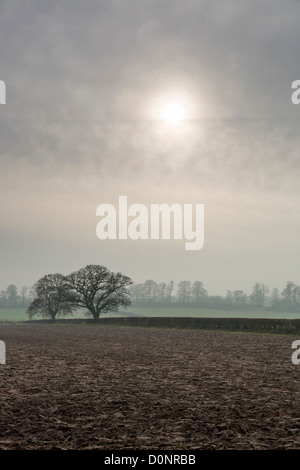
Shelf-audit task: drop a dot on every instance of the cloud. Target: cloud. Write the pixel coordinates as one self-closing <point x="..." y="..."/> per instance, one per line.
<point x="79" y="128"/>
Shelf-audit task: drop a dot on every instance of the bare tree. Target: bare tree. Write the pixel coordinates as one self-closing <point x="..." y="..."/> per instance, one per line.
<point x="169" y="290"/>
<point x="98" y="290"/>
<point x="3" y="298"/>
<point x="239" y="297"/>
<point x="199" y="293"/>
<point x="184" y="292"/>
<point x="23" y="295"/>
<point x="150" y="290"/>
<point x="290" y="295"/>
<point x="275" y="298"/>
<point x="137" y="293"/>
<point x="236" y="298"/>
<point x="52" y="298"/>
<point x="287" y="294"/>
<point x="258" y="296"/>
<point x="12" y="295"/>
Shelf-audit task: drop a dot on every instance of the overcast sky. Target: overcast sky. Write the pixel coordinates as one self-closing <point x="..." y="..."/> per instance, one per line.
<point x="86" y="81"/>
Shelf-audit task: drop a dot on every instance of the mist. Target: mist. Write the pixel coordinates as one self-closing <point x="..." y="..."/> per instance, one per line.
<point x="81" y="126"/>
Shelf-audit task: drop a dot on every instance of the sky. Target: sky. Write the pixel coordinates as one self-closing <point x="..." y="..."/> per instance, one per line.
<point x="86" y="86"/>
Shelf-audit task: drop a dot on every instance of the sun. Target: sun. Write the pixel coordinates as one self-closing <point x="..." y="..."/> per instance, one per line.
<point x="172" y="109"/>
<point x="173" y="113"/>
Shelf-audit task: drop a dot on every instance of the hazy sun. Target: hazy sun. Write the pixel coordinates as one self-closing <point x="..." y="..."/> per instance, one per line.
<point x="173" y="113"/>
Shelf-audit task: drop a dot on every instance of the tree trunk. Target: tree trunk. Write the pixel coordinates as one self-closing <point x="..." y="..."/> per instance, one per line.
<point x="96" y="316"/>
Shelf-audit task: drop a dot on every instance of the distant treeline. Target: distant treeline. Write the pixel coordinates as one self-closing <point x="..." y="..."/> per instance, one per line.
<point x="13" y="297"/>
<point x="194" y="294"/>
<point x="184" y="294"/>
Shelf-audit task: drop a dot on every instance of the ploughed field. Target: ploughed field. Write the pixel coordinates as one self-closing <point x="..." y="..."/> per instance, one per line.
<point x="99" y="387"/>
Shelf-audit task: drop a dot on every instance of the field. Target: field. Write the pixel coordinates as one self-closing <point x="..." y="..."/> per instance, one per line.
<point x="101" y="387"/>
<point x="209" y="312"/>
<point x="19" y="314"/>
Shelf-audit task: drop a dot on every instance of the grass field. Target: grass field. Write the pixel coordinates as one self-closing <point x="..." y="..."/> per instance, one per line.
<point x="207" y="312"/>
<point x="19" y="314"/>
<point x="16" y="315"/>
<point x="11" y="314"/>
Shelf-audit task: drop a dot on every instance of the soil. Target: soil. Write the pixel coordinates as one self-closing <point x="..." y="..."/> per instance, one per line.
<point x="98" y="387"/>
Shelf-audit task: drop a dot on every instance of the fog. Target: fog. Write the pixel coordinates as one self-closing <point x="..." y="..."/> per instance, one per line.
<point x="81" y="126"/>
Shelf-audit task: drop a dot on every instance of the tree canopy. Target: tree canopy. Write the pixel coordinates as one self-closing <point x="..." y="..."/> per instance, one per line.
<point x="52" y="297"/>
<point x="99" y="290"/>
<point x="94" y="288"/>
